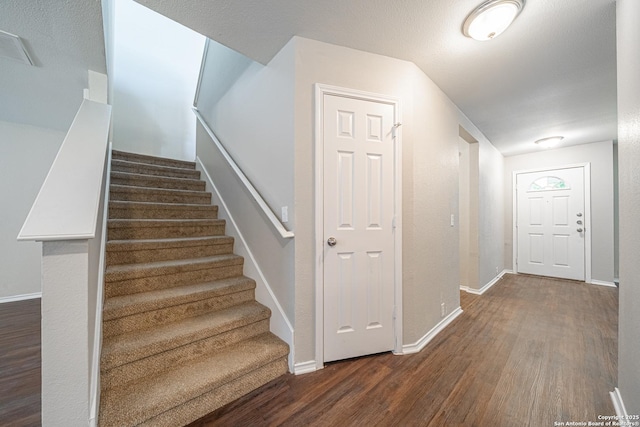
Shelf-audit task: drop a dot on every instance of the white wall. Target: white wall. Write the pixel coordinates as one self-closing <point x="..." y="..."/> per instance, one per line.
<point x="223" y="67"/>
<point x="628" y="45"/>
<point x="252" y="115"/>
<point x="26" y="154"/>
<point x="265" y="118"/>
<point x="156" y="62"/>
<point x="430" y="132"/>
<point x="600" y="155"/>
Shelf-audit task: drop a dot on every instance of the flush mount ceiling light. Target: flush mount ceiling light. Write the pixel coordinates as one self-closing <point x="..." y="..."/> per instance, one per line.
<point x="491" y="18"/>
<point x="550" y="142"/>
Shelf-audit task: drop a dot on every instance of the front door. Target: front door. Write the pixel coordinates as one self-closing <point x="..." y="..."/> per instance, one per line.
<point x="551" y="223"/>
<point x="358" y="231"/>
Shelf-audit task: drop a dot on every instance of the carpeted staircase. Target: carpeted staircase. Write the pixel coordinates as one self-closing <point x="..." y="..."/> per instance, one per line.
<point x="182" y="332"/>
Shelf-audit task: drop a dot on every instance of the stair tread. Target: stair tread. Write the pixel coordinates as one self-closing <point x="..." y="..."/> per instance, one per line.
<point x="163" y="222"/>
<point x="133" y="175"/>
<point x="126" y="162"/>
<point x="155" y="190"/>
<point x="143" y="399"/>
<point x="160" y="205"/>
<point x="134" y="244"/>
<point x="188" y="264"/>
<point x="125" y="348"/>
<point x="126" y="305"/>
<point x="151" y="170"/>
<point x="119" y="155"/>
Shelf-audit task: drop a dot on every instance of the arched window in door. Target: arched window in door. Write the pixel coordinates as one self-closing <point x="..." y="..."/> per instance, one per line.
<point x="547" y="183"/>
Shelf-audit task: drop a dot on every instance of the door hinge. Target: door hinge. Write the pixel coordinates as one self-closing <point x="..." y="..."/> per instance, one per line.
<point x="395" y="127"/>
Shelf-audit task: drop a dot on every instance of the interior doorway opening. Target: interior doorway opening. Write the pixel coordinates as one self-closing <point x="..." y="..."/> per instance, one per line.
<point x="468" y="200"/>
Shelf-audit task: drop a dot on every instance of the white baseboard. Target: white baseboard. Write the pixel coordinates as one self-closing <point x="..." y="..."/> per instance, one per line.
<point x="603" y="283"/>
<point x="305" y="367"/>
<point x="618" y="404"/>
<point x="279" y="324"/>
<point x="486" y="287"/>
<point x="22" y="297"/>
<point x="422" y="342"/>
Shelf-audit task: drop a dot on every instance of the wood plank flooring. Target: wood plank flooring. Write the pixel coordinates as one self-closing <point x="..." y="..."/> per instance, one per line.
<point x="529" y="352"/>
<point x="20" y="363"/>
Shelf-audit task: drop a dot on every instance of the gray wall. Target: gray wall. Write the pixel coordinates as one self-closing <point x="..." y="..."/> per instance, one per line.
<point x="26" y="154"/>
<point x="600" y="155"/>
<point x="628" y="32"/>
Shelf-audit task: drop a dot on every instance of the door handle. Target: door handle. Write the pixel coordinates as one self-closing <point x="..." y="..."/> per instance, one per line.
<point x="331" y="241"/>
<point x="579" y="230"/>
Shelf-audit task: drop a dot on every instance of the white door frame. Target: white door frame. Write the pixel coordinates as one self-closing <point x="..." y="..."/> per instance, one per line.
<point x="587" y="213"/>
<point x="320" y="91"/>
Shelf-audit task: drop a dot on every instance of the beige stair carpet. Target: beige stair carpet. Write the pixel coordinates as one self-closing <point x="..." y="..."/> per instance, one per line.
<point x="182" y="331"/>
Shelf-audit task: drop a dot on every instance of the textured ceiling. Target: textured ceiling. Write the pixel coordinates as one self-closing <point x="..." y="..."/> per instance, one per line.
<point x="553" y="72"/>
<point x="65" y="39"/>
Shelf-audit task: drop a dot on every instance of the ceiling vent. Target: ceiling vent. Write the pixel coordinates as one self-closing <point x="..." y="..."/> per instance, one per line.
<point x="11" y="47"/>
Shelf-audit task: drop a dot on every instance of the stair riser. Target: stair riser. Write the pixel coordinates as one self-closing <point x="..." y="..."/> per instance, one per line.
<point x="143" y="284"/>
<point x="151" y="160"/>
<point x="173" y="314"/>
<point x="208" y="402"/>
<point x="139" y="168"/>
<point x="154" y="255"/>
<point x="167" y="232"/>
<point x="157" y="182"/>
<point x="123" y="374"/>
<point x="163" y="212"/>
<point x="127" y="195"/>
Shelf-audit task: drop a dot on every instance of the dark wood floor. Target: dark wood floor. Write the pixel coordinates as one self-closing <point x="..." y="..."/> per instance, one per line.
<point x="20" y="363"/>
<point x="529" y="352"/>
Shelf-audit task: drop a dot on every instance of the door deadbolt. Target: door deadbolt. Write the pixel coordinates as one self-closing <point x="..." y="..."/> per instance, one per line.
<point x="579" y="230"/>
<point x="579" y="214"/>
<point x="579" y="222"/>
<point x="331" y="241"/>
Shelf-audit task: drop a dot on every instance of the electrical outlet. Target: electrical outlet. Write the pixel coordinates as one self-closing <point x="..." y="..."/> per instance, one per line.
<point x="443" y="309"/>
<point x="285" y="214"/>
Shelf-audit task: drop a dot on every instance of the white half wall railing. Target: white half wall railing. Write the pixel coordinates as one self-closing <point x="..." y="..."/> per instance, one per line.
<point x="67" y="217"/>
<point x="259" y="200"/>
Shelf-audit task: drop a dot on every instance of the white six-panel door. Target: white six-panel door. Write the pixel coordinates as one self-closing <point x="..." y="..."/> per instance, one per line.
<point x="358" y="233"/>
<point x="551" y="223"/>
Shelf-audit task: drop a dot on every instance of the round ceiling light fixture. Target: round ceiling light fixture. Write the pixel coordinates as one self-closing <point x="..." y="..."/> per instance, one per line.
<point x="491" y="18"/>
<point x="552" y="141"/>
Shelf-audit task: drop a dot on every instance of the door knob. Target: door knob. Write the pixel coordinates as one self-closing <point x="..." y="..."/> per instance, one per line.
<point x="579" y="230"/>
<point x="331" y="241"/>
<point x="579" y="222"/>
<point x="579" y="214"/>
